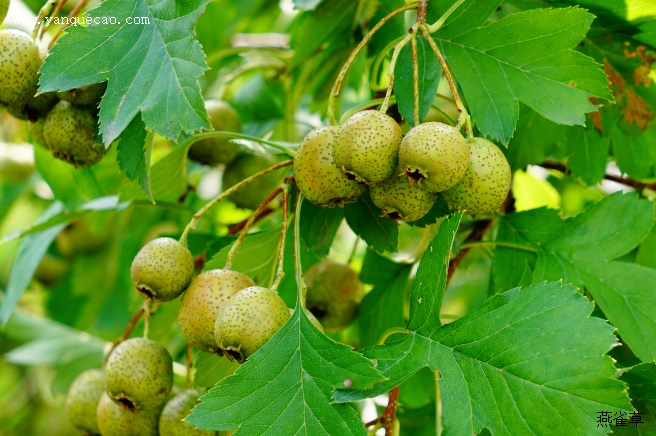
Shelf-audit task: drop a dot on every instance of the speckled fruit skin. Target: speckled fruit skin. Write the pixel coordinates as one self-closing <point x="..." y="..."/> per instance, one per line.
<point x="162" y="269"/>
<point x="249" y="319"/>
<point x="434" y="155"/>
<point x="253" y="194"/>
<point x="70" y="134"/>
<point x="139" y="374"/>
<point x="87" y="95"/>
<point x="316" y="174"/>
<point x="35" y="107"/>
<point x="19" y="66"/>
<point x="485" y="186"/>
<point x="170" y="422"/>
<point x="36" y="130"/>
<point x="116" y="421"/>
<point x="83" y="398"/>
<point x="402" y="201"/>
<point x="334" y="293"/>
<point x="366" y="147"/>
<point x="4" y="7"/>
<point x="215" y="151"/>
<point x="200" y="305"/>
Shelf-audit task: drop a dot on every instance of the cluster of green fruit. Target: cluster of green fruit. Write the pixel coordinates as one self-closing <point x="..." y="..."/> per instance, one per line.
<point x="239" y="163"/>
<point x="133" y="395"/>
<point x="64" y="122"/>
<point x="335" y="165"/>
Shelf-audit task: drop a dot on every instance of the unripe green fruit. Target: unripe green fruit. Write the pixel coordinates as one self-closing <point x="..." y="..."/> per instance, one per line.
<point x="87" y="95"/>
<point x="316" y="174"/>
<point x="434" y="155"/>
<point x="249" y="319"/>
<point x="115" y="420"/>
<point x="215" y="151"/>
<point x="485" y="186"/>
<point x="253" y="194"/>
<point x="171" y="421"/>
<point x="83" y="398"/>
<point x="19" y="66"/>
<point x="334" y="293"/>
<point x="200" y="305"/>
<point x="162" y="269"/>
<point x="366" y="147"/>
<point x="36" y="130"/>
<point x="80" y="237"/>
<point x="70" y="134"/>
<point x="4" y="7"/>
<point x="402" y="201"/>
<point x="139" y="374"/>
<point x="35" y="107"/>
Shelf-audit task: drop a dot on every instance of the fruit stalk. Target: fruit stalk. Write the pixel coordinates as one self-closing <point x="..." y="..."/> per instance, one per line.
<point x="235" y="248"/>
<point x="194" y="220"/>
<point x="464" y="115"/>
<point x="146" y="312"/>
<point x="415" y="79"/>
<point x="76" y="10"/>
<point x="280" y="273"/>
<point x="132" y="323"/>
<point x="340" y="77"/>
<point x="412" y="34"/>
<point x="298" y="269"/>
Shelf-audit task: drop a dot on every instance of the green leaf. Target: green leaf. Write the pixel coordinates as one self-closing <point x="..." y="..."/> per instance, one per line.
<point x="429" y="74"/>
<point x="257" y="257"/>
<point x="134" y="154"/>
<point x="439" y="210"/>
<point x="310" y="30"/>
<point x="151" y="68"/>
<point x="530" y="361"/>
<point x="364" y="218"/>
<point x="588" y="154"/>
<point x="210" y="369"/>
<point x="285" y="387"/>
<point x="382" y="308"/>
<point x="641" y="381"/>
<point x="319" y="226"/>
<point x="30" y="252"/>
<point x="430" y="282"/>
<point x="533" y="62"/>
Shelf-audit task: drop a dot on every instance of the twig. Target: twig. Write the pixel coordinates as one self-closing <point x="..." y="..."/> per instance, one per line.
<point x="280" y="273"/>
<point x="78" y="8"/>
<point x="233" y="229"/>
<point x="194" y="220"/>
<point x="389" y="414"/>
<point x="340" y="77"/>
<point x="627" y="181"/>
<point x="235" y="247"/>
<point x="421" y="11"/>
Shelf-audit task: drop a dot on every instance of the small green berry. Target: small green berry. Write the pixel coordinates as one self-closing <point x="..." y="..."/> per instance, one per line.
<point x="83" y="398"/>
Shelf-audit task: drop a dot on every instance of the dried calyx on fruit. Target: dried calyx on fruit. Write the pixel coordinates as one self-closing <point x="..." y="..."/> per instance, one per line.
<point x="334" y="293"/>
<point x="114" y="420"/>
<point x="316" y="174"/>
<point x="70" y="133"/>
<point x="246" y="165"/>
<point x="366" y="147"/>
<point x="171" y="421"/>
<point x="83" y="398"/>
<point x="139" y="374"/>
<point x="162" y="269"/>
<point x="402" y="201"/>
<point x="215" y="151"/>
<point x="434" y="156"/>
<point x="486" y="183"/>
<point x="249" y="319"/>
<point x="200" y="304"/>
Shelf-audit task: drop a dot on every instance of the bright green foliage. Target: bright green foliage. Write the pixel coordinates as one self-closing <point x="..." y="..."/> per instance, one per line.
<point x="525" y="347"/>
<point x="162" y="269"/>
<point x="158" y="79"/>
<point x="83" y="398"/>
<point x="365" y="219"/>
<point x="303" y="367"/>
<point x="641" y="381"/>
